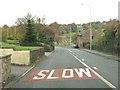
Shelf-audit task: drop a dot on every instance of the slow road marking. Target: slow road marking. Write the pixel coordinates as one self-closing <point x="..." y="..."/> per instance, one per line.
<point x="62" y="74"/>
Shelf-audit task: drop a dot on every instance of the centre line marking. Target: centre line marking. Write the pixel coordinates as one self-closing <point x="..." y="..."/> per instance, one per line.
<point x="95" y="68"/>
<point x="103" y="79"/>
<point x="69" y="50"/>
<point x="83" y="59"/>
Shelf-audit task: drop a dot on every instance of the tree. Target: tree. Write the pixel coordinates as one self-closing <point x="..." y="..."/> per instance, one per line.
<point x="57" y="38"/>
<point x="30" y="35"/>
<point x="46" y="36"/>
<point x="4" y="32"/>
<point x="1" y="34"/>
<point x="73" y="27"/>
<point x="110" y="30"/>
<point x="74" y="38"/>
<point x="24" y="20"/>
<point x="55" y="27"/>
<point x="66" y="28"/>
<point x="109" y="41"/>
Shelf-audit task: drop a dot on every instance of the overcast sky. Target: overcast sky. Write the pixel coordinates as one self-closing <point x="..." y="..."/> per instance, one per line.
<point x="61" y="11"/>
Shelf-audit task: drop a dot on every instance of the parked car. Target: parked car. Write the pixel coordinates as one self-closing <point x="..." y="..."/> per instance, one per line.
<point x="75" y="46"/>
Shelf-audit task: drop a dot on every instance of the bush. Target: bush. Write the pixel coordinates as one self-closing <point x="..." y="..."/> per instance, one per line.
<point x="10" y="38"/>
<point x="86" y="45"/>
<point x="29" y="44"/>
<point x="47" y="48"/>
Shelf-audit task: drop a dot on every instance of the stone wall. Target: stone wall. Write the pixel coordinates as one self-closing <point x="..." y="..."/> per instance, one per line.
<point x="36" y="54"/>
<point x="24" y="57"/>
<point x="18" y="57"/>
<point x="21" y="57"/>
<point x="5" y="68"/>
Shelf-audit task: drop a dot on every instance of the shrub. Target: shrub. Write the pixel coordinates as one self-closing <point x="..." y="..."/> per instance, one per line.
<point x="10" y="38"/>
<point x="86" y="45"/>
<point x="47" y="48"/>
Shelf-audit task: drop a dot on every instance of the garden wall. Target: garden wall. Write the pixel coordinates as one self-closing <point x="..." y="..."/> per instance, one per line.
<point x="24" y="57"/>
<point x="5" y="67"/>
<point x="36" y="54"/>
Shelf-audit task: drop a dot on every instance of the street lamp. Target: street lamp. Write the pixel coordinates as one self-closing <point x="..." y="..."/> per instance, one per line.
<point x="70" y="34"/>
<point x="91" y="36"/>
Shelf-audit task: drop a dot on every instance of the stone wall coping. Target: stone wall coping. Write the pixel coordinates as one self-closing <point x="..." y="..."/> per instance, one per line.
<point x="37" y="49"/>
<point x="4" y="56"/>
<point x="22" y="50"/>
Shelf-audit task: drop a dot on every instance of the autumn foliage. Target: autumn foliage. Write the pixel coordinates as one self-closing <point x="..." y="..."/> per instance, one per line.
<point x="109" y="42"/>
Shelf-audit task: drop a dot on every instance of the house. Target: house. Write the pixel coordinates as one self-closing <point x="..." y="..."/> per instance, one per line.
<point x="84" y="36"/>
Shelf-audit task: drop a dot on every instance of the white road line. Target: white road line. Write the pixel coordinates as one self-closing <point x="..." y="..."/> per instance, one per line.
<point x="95" y="68"/>
<point x="27" y="71"/>
<point x="69" y="50"/>
<point x="103" y="79"/>
<point x="83" y="59"/>
<point x="47" y="54"/>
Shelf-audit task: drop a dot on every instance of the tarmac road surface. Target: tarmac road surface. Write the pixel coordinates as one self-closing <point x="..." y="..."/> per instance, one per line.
<point x="71" y="68"/>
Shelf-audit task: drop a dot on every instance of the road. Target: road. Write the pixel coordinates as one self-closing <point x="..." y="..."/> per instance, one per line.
<point x="71" y="68"/>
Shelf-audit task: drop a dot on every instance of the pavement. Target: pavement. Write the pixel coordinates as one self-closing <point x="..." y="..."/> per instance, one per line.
<point x="18" y="72"/>
<point x="108" y="56"/>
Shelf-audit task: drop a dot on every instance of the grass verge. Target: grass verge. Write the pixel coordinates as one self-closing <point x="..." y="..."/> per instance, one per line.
<point x="17" y="47"/>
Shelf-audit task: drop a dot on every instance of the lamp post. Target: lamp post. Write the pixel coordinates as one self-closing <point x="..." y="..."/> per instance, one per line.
<point x="91" y="36"/>
<point x="70" y="34"/>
